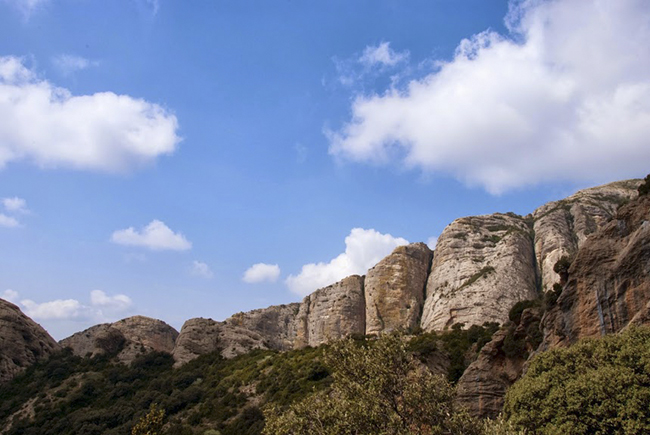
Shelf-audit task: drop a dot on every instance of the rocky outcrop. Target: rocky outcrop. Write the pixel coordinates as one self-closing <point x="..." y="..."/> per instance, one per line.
<point x="482" y="266"/>
<point x="331" y="313"/>
<point x="126" y="338"/>
<point x="609" y="280"/>
<point x="561" y="227"/>
<point x="201" y="336"/>
<point x="482" y="388"/>
<point x="22" y="341"/>
<point x="394" y="289"/>
<point x="277" y="324"/>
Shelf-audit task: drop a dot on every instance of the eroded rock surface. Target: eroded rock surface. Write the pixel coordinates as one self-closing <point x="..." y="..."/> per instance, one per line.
<point x="128" y="337"/>
<point x="277" y="324"/>
<point x="22" y="341"/>
<point x="395" y="287"/>
<point x="482" y="266"/>
<point x="331" y="313"/>
<point x="609" y="280"/>
<point x="561" y="227"/>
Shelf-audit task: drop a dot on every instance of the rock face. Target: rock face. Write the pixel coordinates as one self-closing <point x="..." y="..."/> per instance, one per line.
<point x="277" y="324"/>
<point x="129" y="337"/>
<point x="331" y="313"/>
<point x="561" y="227"/>
<point x="482" y="266"/>
<point x="200" y="336"/>
<point x="22" y="341"/>
<point x="609" y="280"/>
<point x="395" y="287"/>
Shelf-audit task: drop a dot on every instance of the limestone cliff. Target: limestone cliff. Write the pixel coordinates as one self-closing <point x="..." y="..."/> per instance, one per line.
<point x="331" y="313"/>
<point x="275" y="323"/>
<point x="561" y="227"/>
<point x="394" y="289"/>
<point x="128" y="338"/>
<point x="482" y="266"/>
<point x="22" y="341"/>
<point x="609" y="280"/>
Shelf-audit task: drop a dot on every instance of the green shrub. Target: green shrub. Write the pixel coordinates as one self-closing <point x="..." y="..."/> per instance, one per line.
<point x="644" y="188"/>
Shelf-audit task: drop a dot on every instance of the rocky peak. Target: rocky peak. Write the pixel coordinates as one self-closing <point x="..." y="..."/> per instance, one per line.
<point x="275" y="323"/>
<point x="22" y="341"/>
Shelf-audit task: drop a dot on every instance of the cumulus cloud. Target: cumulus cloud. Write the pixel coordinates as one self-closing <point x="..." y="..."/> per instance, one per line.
<point x="262" y="272"/>
<point x="47" y="125"/>
<point x="10" y="295"/>
<point x="382" y="55"/>
<point x="363" y="249"/>
<point x="8" y="221"/>
<point x="564" y="96"/>
<point x="15" y="205"/>
<point x="201" y="269"/>
<point x="69" y="63"/>
<point x="102" y="307"/>
<point x="156" y="236"/>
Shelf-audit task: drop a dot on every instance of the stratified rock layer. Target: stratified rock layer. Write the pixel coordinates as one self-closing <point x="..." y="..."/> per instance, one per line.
<point x="561" y="227"/>
<point x="609" y="280"/>
<point x="331" y="313"/>
<point x="277" y="324"/>
<point x="394" y="289"/>
<point x="22" y="341"/>
<point x="482" y="266"/>
<point x="128" y="337"/>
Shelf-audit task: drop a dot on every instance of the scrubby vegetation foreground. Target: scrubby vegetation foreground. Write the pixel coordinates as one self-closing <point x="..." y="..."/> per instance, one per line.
<point x="355" y="386"/>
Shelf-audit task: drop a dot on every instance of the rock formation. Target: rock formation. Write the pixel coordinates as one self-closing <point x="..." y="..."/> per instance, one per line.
<point x="394" y="289"/>
<point x="482" y="266"/>
<point x="609" y="280"/>
<point x="22" y="341"/>
<point x="331" y="313"/>
<point x="275" y="323"/>
<point x="128" y="338"/>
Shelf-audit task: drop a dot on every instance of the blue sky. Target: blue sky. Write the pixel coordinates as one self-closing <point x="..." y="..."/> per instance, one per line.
<point x="178" y="159"/>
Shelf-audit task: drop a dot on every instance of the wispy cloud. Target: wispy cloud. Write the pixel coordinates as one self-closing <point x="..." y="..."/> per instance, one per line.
<point x="201" y="269"/>
<point x="26" y="7"/>
<point x="68" y="64"/>
<point x="363" y="249"/>
<point x="50" y="127"/>
<point x="15" y="205"/>
<point x="156" y="236"/>
<point x="8" y="221"/>
<point x="382" y="55"/>
<point x="519" y="109"/>
<point x="261" y="272"/>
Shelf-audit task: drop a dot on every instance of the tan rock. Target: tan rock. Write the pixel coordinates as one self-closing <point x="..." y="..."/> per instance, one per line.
<point x="277" y="324"/>
<point x="394" y="289"/>
<point x="22" y="341"/>
<point x="331" y="313"/>
<point x="132" y="336"/>
<point x="482" y="266"/>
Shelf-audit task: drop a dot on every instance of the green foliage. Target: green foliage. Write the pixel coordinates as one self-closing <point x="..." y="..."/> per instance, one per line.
<point x="151" y="423"/>
<point x="378" y="388"/>
<point x="485" y="271"/>
<point x="598" y="386"/>
<point x="515" y="312"/>
<point x="644" y="188"/>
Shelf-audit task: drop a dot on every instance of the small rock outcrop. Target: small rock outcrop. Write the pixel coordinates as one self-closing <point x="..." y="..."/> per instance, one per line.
<point x="277" y="324"/>
<point x="482" y="266"/>
<point x="609" y="280"/>
<point x="200" y="336"/>
<point x="561" y="227"/>
<point x="331" y="313"/>
<point x="394" y="289"/>
<point x="22" y="341"/>
<point x="127" y="338"/>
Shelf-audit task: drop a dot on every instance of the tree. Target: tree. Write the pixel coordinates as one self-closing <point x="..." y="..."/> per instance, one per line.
<point x="598" y="386"/>
<point x="379" y="388"/>
<point x="151" y="423"/>
<point x="644" y="188"/>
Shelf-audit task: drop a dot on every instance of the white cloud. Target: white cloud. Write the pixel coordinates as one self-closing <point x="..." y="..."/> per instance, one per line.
<point x="155" y="236"/>
<point x="565" y="96"/>
<point x="200" y="268"/>
<point x="8" y="221"/>
<point x="262" y="272"/>
<point x="102" y="307"/>
<point x="10" y="295"/>
<point x="432" y="242"/>
<point x="68" y="63"/>
<point x="15" y="205"/>
<point x="363" y="249"/>
<point x="26" y="6"/>
<point x="47" y="125"/>
<point x="382" y="55"/>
